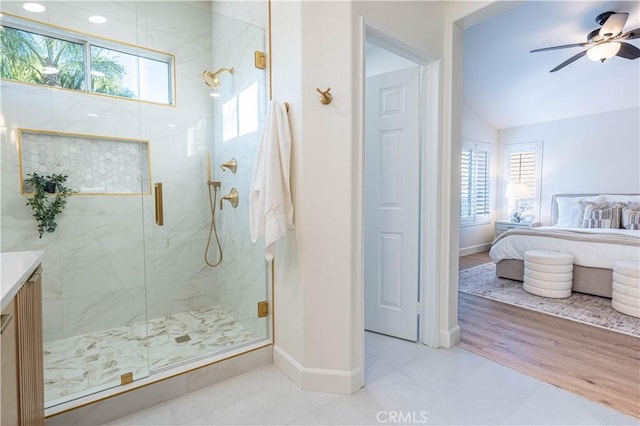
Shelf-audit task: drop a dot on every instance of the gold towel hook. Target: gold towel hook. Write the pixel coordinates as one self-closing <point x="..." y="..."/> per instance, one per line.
<point x="325" y="97"/>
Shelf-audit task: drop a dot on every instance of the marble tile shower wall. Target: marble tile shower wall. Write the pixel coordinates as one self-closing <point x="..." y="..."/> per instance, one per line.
<point x="95" y="262"/>
<point x="178" y="279"/>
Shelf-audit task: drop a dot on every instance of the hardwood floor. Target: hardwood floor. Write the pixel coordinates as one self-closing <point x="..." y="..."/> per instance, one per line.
<point x="476" y="259"/>
<point x="601" y="365"/>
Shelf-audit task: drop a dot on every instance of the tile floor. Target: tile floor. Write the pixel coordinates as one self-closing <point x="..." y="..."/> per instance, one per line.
<point x="412" y="382"/>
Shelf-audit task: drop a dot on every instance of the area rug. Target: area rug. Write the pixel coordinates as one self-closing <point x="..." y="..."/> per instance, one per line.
<point x="593" y="310"/>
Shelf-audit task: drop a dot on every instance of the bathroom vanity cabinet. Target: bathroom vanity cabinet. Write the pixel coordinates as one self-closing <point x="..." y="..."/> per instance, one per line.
<point x="9" y="368"/>
<point x="22" y="379"/>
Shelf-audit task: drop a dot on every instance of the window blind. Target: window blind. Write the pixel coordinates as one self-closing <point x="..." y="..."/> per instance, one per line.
<point x="475" y="183"/>
<point x="522" y="169"/>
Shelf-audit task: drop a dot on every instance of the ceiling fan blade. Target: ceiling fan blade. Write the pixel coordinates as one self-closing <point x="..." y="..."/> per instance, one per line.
<point x="628" y="51"/>
<point x="613" y="25"/>
<point x="570" y="60"/>
<point x="564" y="46"/>
<point x="630" y="35"/>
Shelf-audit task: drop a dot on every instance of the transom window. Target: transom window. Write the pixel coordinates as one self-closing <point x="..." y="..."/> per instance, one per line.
<point x="36" y="53"/>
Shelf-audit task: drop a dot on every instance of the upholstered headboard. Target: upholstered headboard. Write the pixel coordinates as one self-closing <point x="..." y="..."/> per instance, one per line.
<point x="554" y="203"/>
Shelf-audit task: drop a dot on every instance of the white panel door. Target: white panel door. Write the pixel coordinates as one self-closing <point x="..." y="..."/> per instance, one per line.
<point x="392" y="203"/>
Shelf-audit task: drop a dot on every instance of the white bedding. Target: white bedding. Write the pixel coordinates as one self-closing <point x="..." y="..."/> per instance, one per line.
<point x="595" y="255"/>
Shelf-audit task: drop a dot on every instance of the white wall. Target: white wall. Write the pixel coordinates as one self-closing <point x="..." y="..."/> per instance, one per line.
<point x="318" y="299"/>
<point x="477" y="238"/>
<point x="313" y="295"/>
<point x="597" y="153"/>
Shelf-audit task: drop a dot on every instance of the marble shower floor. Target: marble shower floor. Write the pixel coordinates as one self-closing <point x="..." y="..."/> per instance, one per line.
<point x="79" y="365"/>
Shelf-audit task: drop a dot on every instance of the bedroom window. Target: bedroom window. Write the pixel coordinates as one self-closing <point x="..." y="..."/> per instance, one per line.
<point x="523" y="164"/>
<point x="475" y="183"/>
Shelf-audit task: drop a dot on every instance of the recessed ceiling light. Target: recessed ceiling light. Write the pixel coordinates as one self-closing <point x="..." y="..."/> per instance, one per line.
<point x="34" y="7"/>
<point x="92" y="114"/>
<point x="97" y="73"/>
<point x="97" y="19"/>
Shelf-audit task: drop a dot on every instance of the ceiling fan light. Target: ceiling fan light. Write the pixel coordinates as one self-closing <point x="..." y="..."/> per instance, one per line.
<point x="602" y="52"/>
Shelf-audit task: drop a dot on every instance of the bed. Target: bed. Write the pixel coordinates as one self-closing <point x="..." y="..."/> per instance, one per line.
<point x="594" y="249"/>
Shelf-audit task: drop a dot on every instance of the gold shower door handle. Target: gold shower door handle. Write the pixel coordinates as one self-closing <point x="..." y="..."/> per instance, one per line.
<point x="159" y="209"/>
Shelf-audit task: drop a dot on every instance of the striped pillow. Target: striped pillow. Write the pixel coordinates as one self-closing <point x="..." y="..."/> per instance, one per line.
<point x="597" y="217"/>
<point x="631" y="218"/>
<point x="583" y="206"/>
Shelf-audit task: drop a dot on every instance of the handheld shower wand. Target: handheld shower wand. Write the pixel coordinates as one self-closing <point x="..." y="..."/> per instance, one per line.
<point x="213" y="230"/>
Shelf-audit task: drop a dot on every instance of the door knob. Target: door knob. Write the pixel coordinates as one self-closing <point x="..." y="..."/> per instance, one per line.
<point x="231" y="197"/>
<point x="231" y="165"/>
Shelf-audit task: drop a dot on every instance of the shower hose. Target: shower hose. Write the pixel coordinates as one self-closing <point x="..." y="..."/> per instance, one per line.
<point x="212" y="228"/>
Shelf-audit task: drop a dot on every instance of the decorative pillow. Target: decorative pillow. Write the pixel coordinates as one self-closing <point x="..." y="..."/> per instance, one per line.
<point x="602" y="217"/>
<point x="583" y="206"/>
<point x="631" y="217"/>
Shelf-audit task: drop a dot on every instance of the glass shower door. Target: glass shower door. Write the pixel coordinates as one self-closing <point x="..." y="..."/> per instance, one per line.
<point x="197" y="307"/>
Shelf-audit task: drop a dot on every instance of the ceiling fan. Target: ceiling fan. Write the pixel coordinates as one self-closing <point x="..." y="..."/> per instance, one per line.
<point x="604" y="42"/>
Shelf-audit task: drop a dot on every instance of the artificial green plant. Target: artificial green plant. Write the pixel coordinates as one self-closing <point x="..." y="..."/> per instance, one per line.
<point x="46" y="208"/>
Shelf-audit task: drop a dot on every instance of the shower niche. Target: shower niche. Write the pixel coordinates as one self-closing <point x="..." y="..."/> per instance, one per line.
<point x="123" y="297"/>
<point x="94" y="164"/>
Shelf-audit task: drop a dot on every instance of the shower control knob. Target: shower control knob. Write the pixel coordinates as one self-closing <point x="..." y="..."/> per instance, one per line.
<point x="231" y="165"/>
<point x="232" y="198"/>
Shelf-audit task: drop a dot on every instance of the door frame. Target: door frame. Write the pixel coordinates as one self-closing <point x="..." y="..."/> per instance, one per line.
<point x="429" y="122"/>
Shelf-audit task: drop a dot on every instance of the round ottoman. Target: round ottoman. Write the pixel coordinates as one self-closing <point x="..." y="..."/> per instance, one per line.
<point x="548" y="273"/>
<point x="626" y="287"/>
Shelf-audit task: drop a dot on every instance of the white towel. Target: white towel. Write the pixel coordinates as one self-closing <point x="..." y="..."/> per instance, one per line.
<point x="270" y="206"/>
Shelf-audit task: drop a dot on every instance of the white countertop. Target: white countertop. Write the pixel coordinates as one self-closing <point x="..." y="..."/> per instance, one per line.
<point x="15" y="268"/>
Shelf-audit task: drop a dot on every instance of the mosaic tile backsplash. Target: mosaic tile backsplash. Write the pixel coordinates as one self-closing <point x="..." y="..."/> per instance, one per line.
<point x="93" y="165"/>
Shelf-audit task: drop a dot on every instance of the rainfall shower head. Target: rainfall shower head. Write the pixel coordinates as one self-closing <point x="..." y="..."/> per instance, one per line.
<point x="211" y="78"/>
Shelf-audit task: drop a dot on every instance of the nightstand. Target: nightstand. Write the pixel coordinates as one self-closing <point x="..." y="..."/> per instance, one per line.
<point x="504" y="225"/>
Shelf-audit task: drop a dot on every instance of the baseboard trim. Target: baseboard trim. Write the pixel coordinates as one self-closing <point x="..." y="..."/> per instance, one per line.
<point x="474" y="249"/>
<point x="317" y="379"/>
<point x="451" y="337"/>
<point x="288" y="365"/>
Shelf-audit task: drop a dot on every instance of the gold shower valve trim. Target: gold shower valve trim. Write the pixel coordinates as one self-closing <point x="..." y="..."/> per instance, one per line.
<point x="232" y="198"/>
<point x="231" y="165"/>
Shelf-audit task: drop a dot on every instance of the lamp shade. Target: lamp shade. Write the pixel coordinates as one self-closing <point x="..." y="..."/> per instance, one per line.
<point x="516" y="190"/>
<point x="604" y="51"/>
